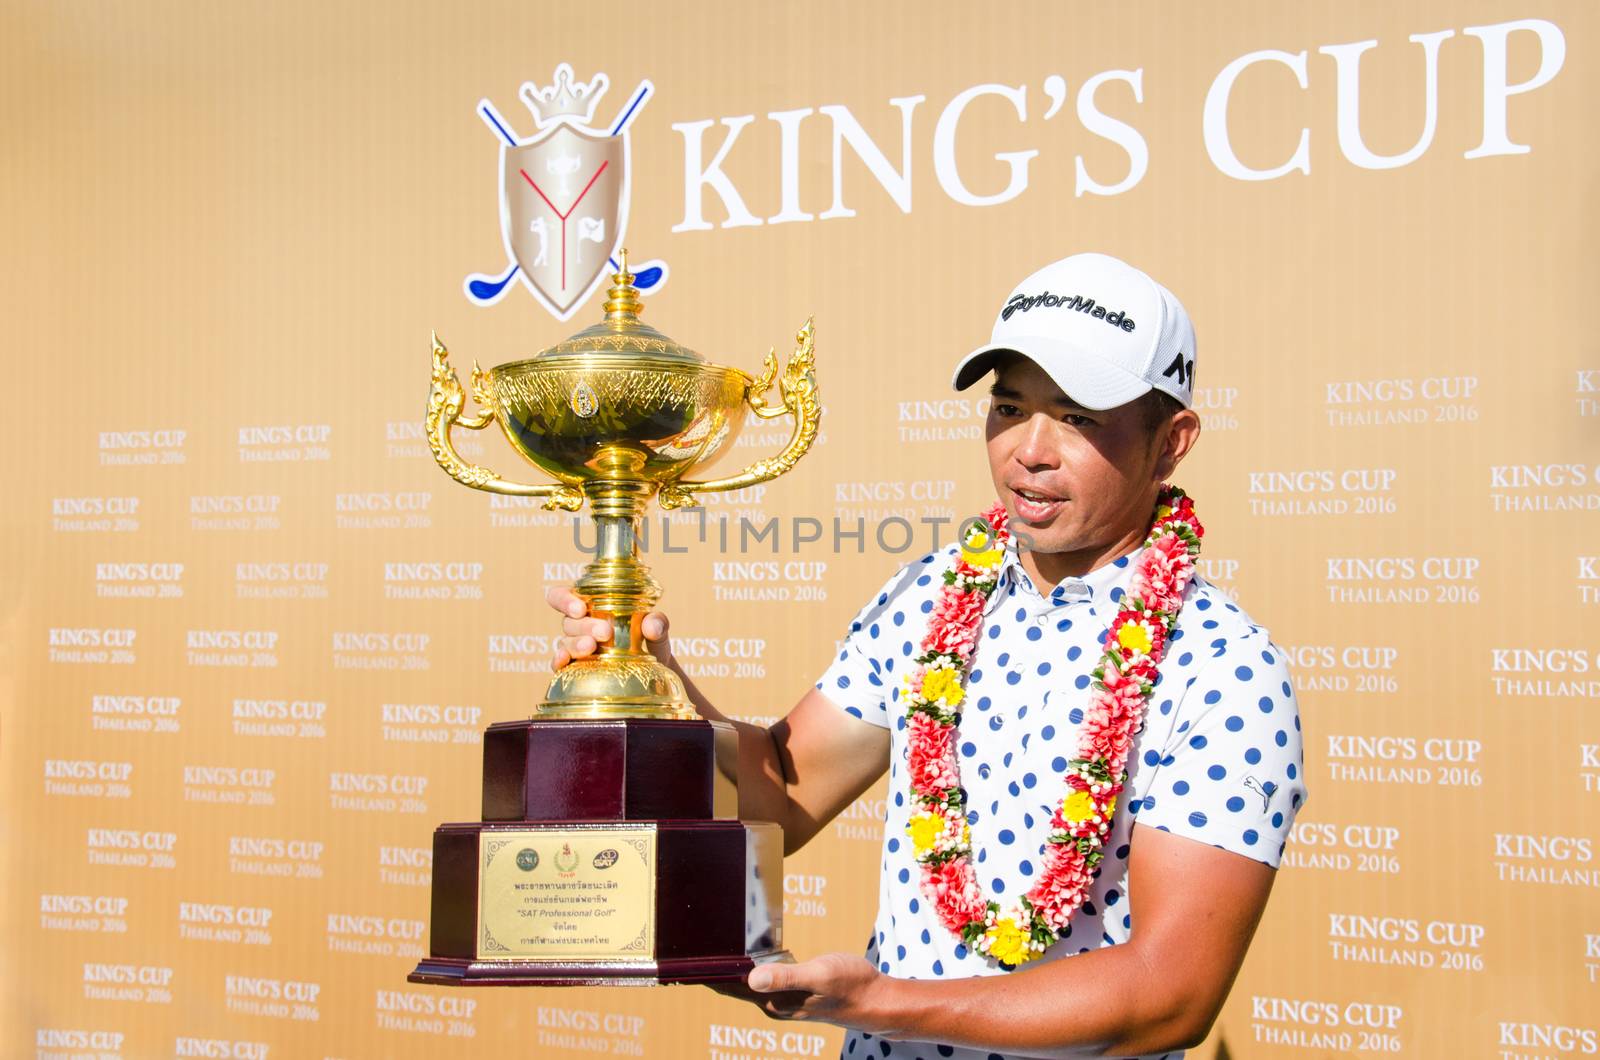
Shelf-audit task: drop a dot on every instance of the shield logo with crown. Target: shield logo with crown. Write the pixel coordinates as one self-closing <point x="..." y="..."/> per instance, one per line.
<point x="563" y="195"/>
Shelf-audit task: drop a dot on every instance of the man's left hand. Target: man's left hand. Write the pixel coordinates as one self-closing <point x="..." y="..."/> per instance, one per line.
<point x="837" y="988"/>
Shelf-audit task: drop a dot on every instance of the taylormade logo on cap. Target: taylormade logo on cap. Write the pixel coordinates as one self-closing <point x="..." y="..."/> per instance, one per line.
<point x="1021" y="303"/>
<point x="1116" y="337"/>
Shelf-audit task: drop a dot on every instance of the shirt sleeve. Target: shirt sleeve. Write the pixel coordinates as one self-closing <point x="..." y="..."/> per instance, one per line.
<point x="880" y="642"/>
<point x="1232" y="773"/>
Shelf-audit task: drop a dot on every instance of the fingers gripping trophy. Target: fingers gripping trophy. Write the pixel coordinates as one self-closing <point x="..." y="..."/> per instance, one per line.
<point x="610" y="849"/>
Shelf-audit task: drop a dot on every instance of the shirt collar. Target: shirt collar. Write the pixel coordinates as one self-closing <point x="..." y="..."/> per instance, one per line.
<point x="1092" y="587"/>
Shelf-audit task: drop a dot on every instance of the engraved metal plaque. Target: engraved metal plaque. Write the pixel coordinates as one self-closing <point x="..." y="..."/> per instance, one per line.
<point x="564" y="894"/>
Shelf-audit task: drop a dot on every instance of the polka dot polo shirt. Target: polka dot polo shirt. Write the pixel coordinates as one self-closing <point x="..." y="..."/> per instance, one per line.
<point x="1218" y="761"/>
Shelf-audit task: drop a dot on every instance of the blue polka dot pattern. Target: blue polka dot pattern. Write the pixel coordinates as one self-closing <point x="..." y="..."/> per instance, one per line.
<point x="1218" y="760"/>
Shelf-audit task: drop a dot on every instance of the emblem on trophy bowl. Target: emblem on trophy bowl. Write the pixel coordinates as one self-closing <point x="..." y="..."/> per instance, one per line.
<point x="610" y="848"/>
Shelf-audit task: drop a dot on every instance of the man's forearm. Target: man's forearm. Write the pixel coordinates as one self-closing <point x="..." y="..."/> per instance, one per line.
<point x="763" y="787"/>
<point x="800" y="772"/>
<point x="1105" y="1002"/>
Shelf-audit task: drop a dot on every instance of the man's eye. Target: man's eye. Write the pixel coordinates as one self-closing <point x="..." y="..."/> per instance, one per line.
<point x="1007" y="410"/>
<point x="1072" y="419"/>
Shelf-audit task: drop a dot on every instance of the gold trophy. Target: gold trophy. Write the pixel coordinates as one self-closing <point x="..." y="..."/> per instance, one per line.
<point x="610" y="848"/>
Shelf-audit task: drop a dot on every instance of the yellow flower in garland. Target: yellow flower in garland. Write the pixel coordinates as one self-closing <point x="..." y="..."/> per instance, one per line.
<point x="1077" y="807"/>
<point x="1135" y="637"/>
<point x="1008" y="942"/>
<point x="943" y="685"/>
<point x="976" y="551"/>
<point x="924" y="828"/>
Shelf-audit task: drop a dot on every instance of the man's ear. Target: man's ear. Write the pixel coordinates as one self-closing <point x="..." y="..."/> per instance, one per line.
<point x="1178" y="437"/>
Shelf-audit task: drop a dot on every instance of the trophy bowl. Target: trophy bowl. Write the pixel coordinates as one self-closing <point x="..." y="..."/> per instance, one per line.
<point x="617" y="414"/>
<point x="585" y="414"/>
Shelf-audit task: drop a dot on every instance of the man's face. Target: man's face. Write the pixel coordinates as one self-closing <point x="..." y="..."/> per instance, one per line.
<point x="1072" y="479"/>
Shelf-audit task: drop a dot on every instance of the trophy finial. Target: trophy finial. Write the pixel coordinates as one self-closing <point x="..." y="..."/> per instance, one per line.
<point x="622" y="300"/>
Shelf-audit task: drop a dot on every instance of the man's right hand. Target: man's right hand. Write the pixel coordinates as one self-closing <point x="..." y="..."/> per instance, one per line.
<point x="582" y="635"/>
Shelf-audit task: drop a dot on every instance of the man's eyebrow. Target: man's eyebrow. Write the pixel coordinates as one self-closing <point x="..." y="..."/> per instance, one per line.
<point x="1000" y="390"/>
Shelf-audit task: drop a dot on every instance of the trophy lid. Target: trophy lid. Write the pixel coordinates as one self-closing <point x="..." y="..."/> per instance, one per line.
<point x="622" y="332"/>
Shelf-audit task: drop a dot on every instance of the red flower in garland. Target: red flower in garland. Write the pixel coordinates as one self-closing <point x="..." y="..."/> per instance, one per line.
<point x="1124" y="688"/>
<point x="1109" y="741"/>
<point x="1063" y="884"/>
<point x="1182" y="510"/>
<point x="997" y="518"/>
<point x="967" y="570"/>
<point x="1164" y="574"/>
<point x="1122" y="697"/>
<point x="1141" y="671"/>
<point x="955" y="619"/>
<point x="958" y="637"/>
<point x="932" y="757"/>
<point x="954" y="892"/>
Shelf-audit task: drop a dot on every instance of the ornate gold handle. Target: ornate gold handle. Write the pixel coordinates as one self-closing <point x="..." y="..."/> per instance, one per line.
<point x="445" y="401"/>
<point x="798" y="388"/>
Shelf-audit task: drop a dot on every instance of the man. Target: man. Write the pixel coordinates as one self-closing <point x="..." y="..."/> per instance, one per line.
<point x="1090" y="415"/>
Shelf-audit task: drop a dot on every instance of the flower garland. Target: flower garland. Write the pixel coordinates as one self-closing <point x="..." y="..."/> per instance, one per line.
<point x="933" y="692"/>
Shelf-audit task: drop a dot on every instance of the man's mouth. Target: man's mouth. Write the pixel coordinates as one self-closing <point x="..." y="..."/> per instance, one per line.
<point x="1034" y="506"/>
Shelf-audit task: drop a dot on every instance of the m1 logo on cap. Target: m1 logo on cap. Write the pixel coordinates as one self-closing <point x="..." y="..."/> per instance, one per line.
<point x="1022" y="303"/>
<point x="1181" y="367"/>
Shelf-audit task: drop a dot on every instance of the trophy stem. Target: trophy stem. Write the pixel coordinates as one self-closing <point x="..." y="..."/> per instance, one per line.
<point x="621" y="679"/>
<point x="615" y="583"/>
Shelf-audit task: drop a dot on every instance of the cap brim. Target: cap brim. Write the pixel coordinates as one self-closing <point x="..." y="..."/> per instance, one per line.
<point x="1084" y="377"/>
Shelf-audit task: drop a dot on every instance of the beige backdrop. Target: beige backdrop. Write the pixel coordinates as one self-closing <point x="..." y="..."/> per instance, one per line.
<point x="243" y="680"/>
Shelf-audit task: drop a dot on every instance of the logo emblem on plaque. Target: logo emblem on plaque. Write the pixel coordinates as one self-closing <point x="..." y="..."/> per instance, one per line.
<point x="563" y="195"/>
<point x="605" y="859"/>
<point x="527" y="859"/>
<point x="566" y="860"/>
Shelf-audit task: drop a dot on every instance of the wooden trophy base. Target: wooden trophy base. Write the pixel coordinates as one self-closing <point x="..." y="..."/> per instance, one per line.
<point x="447" y="971"/>
<point x="609" y="854"/>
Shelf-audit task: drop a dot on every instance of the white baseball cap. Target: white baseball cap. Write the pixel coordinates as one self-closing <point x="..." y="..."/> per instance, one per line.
<point x="1104" y="331"/>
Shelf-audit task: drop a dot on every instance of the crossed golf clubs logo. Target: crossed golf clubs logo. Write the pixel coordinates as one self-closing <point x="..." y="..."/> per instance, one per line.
<point x="562" y="188"/>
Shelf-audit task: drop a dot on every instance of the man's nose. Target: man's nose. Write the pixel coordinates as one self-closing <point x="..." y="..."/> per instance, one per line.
<point x="1038" y="445"/>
